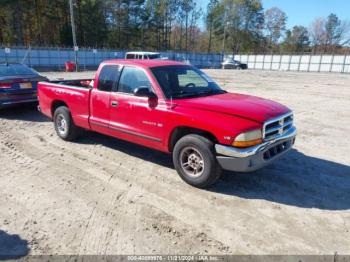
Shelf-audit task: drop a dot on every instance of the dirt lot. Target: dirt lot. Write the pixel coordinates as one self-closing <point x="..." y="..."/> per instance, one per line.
<point x="100" y="195"/>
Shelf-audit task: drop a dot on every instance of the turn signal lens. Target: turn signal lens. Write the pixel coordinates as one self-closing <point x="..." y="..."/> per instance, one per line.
<point x="247" y="139"/>
<point x="247" y="143"/>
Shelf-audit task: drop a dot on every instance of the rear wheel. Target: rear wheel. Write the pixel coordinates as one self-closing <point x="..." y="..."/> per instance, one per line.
<point x="195" y="161"/>
<point x="64" y="125"/>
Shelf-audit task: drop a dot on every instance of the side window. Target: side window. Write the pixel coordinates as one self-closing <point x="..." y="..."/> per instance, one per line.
<point x="130" y="56"/>
<point x="131" y="79"/>
<point x="108" y="77"/>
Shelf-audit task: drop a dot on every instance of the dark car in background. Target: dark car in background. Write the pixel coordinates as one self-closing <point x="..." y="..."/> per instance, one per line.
<point x="18" y="84"/>
<point x="233" y="64"/>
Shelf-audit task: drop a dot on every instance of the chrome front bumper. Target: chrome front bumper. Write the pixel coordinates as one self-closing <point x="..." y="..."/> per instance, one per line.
<point x="255" y="157"/>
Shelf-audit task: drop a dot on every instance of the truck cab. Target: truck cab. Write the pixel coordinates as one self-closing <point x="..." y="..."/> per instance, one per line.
<point x="175" y="108"/>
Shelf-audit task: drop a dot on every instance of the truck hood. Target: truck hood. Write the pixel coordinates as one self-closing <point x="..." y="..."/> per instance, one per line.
<point x="245" y="106"/>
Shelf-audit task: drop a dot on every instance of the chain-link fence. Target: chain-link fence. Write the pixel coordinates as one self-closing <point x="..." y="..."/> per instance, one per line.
<point x="54" y="58"/>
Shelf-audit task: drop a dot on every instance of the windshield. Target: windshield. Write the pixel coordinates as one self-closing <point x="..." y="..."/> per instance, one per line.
<point x="185" y="81"/>
<point x="153" y="56"/>
<point x="16" y="69"/>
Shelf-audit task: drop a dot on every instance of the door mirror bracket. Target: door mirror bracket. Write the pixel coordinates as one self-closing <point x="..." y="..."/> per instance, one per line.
<point x="144" y="91"/>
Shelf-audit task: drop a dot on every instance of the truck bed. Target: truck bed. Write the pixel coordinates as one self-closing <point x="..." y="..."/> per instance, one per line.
<point x="83" y="83"/>
<point x="73" y="93"/>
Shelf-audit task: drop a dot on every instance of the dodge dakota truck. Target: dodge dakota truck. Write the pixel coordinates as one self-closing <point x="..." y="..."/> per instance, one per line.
<point x="175" y="108"/>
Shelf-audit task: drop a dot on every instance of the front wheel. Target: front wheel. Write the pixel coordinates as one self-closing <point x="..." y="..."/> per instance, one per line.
<point x="194" y="160"/>
<point x="64" y="125"/>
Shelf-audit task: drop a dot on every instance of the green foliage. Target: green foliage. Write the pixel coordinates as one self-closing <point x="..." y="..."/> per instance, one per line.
<point x="337" y="31"/>
<point x="333" y="30"/>
<point x="231" y="26"/>
<point x="91" y="28"/>
<point x="296" y="40"/>
<point x="240" y="23"/>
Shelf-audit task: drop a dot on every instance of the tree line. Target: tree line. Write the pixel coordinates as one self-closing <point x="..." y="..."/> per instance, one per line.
<point x="181" y="25"/>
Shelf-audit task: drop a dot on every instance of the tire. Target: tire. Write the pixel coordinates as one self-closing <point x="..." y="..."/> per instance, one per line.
<point x="188" y="154"/>
<point x="64" y="125"/>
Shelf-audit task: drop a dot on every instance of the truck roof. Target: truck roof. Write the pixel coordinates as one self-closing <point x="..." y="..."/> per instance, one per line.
<point x="143" y="53"/>
<point x="147" y="63"/>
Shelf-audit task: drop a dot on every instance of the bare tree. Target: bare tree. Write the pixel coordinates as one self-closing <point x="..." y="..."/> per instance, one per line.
<point x="275" y="24"/>
<point x="329" y="34"/>
<point x="344" y="31"/>
<point x="317" y="33"/>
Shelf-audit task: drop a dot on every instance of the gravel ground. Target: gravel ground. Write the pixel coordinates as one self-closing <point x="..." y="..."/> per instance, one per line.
<point x="100" y="195"/>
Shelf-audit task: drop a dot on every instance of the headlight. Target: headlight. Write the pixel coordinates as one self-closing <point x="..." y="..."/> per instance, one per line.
<point x="250" y="138"/>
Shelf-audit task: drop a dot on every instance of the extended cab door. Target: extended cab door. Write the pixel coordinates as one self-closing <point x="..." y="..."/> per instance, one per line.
<point x="100" y="97"/>
<point x="135" y="118"/>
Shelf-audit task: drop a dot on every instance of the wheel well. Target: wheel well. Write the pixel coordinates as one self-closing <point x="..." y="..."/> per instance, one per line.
<point x="182" y="131"/>
<point x="55" y="105"/>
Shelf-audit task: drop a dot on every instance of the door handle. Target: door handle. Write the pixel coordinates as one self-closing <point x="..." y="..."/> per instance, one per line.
<point x="114" y="103"/>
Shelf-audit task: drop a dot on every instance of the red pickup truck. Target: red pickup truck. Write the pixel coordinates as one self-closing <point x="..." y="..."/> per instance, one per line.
<point x="175" y="108"/>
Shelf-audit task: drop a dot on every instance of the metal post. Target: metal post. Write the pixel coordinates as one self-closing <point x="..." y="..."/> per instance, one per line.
<point x="85" y="60"/>
<point x="73" y="33"/>
<point x="299" y="62"/>
<point x="279" y="66"/>
<point x="49" y="57"/>
<point x="263" y="65"/>
<point x="320" y="62"/>
<point x="39" y="54"/>
<point x="58" y="58"/>
<point x="271" y="62"/>
<point x="17" y="59"/>
<point x="248" y="59"/>
<point x="254" y="61"/>
<point x="290" y="60"/>
<point x="331" y="67"/>
<point x="344" y="63"/>
<point x="29" y="54"/>
<point x="308" y="67"/>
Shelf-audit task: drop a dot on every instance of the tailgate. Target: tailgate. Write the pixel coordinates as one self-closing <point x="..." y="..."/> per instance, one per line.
<point x="76" y="98"/>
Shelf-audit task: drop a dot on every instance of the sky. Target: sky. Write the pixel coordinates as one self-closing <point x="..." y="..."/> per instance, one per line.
<point x="303" y="12"/>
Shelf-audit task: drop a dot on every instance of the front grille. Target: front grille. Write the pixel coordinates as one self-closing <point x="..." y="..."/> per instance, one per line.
<point x="277" y="126"/>
<point x="277" y="149"/>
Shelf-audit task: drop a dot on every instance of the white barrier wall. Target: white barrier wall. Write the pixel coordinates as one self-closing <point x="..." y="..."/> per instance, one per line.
<point x="305" y="63"/>
<point x="54" y="58"/>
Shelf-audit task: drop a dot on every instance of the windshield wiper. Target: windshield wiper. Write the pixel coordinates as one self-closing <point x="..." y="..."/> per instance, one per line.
<point x="211" y="92"/>
<point x="197" y="94"/>
<point x="183" y="94"/>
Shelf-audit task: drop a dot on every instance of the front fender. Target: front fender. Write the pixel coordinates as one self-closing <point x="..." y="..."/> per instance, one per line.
<point x="223" y="127"/>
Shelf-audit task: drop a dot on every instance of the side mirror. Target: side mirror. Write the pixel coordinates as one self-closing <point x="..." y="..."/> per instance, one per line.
<point x="144" y="92"/>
